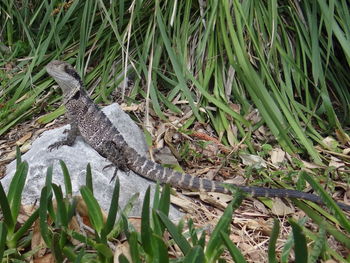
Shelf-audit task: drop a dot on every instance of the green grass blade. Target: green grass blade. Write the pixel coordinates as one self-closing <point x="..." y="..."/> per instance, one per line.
<point x="87" y="19"/>
<point x="56" y="249"/>
<point x="17" y="183"/>
<point x="272" y="243"/>
<point x="319" y="245"/>
<point x="94" y="210"/>
<point x="134" y="247"/>
<point x="118" y="227"/>
<point x="164" y="203"/>
<point x="196" y="254"/>
<point x="329" y="202"/>
<point x="18" y="157"/>
<point x="70" y="254"/>
<point x="232" y="248"/>
<point x="179" y="239"/>
<point x="215" y="243"/>
<point x="43" y="222"/>
<point x="61" y="215"/>
<point x="26" y="226"/>
<point x="80" y="255"/>
<point x="113" y="209"/>
<point x="16" y="189"/>
<point x="300" y="245"/>
<point x="161" y="251"/>
<point x="175" y="63"/>
<point x="146" y="231"/>
<point x="193" y="232"/>
<point x="156" y="196"/>
<point x="88" y="178"/>
<point x="3" y="235"/>
<point x="48" y="178"/>
<point x="104" y="250"/>
<point x="123" y="259"/>
<point x="318" y="219"/>
<point x="67" y="181"/>
<point x="5" y="207"/>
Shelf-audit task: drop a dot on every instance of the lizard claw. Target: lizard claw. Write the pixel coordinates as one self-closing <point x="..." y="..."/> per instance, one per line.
<point x="57" y="145"/>
<point x="54" y="146"/>
<point x="109" y="166"/>
<point x="122" y="168"/>
<point x="116" y="172"/>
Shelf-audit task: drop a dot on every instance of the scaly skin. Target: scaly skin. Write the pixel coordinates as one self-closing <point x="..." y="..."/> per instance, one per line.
<point x="92" y="124"/>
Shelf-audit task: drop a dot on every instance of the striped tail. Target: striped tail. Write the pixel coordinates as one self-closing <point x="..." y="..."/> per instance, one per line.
<point x="157" y="173"/>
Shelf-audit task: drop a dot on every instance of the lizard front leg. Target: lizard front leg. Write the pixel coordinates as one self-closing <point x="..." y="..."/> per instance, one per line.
<point x="73" y="132"/>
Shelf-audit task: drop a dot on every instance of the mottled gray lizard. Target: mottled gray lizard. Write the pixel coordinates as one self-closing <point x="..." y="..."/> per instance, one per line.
<point x="91" y="123"/>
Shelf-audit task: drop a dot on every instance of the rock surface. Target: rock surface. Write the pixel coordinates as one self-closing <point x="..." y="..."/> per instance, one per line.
<point x="76" y="159"/>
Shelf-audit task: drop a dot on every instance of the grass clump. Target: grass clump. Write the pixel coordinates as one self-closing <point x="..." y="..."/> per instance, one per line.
<point x="157" y="240"/>
<point x="283" y="58"/>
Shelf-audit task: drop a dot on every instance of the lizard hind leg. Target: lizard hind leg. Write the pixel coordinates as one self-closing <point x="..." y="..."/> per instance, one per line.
<point x="116" y="156"/>
<point x="116" y="169"/>
<point x="116" y="172"/>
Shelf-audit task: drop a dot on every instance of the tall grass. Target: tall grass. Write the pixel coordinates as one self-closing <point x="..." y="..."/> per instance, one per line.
<point x="288" y="59"/>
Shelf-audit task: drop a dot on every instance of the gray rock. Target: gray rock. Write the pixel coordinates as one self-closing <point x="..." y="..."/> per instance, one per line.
<point x="77" y="157"/>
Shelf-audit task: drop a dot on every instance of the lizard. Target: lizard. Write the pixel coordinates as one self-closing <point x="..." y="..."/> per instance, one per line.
<point x="88" y="121"/>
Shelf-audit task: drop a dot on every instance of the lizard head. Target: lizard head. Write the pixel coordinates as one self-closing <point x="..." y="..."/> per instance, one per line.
<point x="66" y="77"/>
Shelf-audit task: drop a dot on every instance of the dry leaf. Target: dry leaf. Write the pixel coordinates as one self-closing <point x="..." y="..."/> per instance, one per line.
<point x="277" y="156"/>
<point x="185" y="204"/>
<point x="9" y="156"/>
<point x="135" y="221"/>
<point x="25" y="212"/>
<point x="237" y="180"/>
<point x="124" y="249"/>
<point x="342" y="136"/>
<point x="48" y="258"/>
<point x="207" y="198"/>
<point x="335" y="162"/>
<point x="24" y="138"/>
<point x="38" y="241"/>
<point x="346" y="151"/>
<point x="280" y="209"/>
<point x="222" y="198"/>
<point x="165" y="156"/>
<point x="254" y="116"/>
<point x="311" y="165"/>
<point x="83" y="211"/>
<point x="250" y="250"/>
<point x="235" y="107"/>
<point x="253" y="160"/>
<point x="74" y="225"/>
<point x="235" y="238"/>
<point x="253" y="224"/>
<point x="330" y="142"/>
<point x="132" y="107"/>
<point x="26" y="147"/>
<point x="260" y="206"/>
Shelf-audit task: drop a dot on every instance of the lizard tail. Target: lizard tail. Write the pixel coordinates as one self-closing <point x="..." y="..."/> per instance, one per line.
<point x="155" y="172"/>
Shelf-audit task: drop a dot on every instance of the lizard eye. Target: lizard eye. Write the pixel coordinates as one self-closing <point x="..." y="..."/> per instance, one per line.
<point x="71" y="72"/>
<point x="76" y="95"/>
<point x="67" y="68"/>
